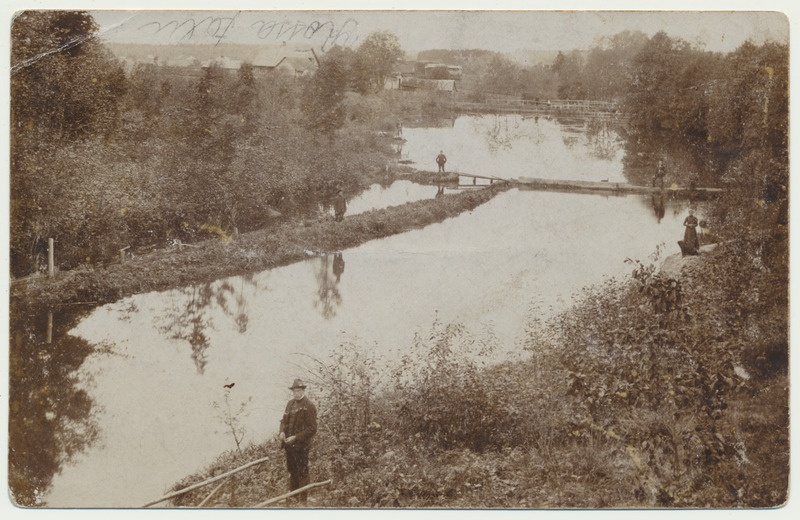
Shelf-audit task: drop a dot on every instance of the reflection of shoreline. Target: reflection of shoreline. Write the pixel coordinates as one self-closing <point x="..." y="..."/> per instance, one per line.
<point x="51" y="421"/>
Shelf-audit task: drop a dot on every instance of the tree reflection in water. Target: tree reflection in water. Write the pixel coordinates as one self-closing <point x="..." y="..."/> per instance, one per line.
<point x="51" y="420"/>
<point x="604" y="143"/>
<point x="191" y="317"/>
<point x="328" y="270"/>
<point x="503" y="134"/>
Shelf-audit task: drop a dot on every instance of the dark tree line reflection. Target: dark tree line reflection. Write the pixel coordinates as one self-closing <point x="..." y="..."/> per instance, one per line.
<point x="503" y="134"/>
<point x="51" y="420"/>
<point x="191" y="317"/>
<point x="603" y="140"/>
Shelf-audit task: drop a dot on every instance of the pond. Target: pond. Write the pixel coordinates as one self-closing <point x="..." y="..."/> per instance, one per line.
<point x="513" y="146"/>
<point x="143" y="403"/>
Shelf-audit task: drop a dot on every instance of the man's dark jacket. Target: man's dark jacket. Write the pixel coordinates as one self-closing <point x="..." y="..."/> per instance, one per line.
<point x="300" y="420"/>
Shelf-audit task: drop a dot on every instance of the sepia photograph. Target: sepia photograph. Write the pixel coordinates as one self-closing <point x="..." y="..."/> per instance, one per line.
<point x="437" y="258"/>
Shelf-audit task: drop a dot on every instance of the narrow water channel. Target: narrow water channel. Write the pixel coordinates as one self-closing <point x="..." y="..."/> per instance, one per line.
<point x="150" y="380"/>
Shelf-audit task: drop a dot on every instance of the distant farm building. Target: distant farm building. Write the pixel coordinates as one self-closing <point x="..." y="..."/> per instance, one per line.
<point x="424" y="75"/>
<point x="295" y="60"/>
<point x="224" y="62"/>
<point x="291" y="59"/>
<point x="444" y="85"/>
<point x="430" y="70"/>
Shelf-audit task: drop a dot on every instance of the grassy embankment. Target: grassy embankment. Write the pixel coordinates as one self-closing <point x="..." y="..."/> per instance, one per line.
<point x="223" y="256"/>
<point x="650" y="392"/>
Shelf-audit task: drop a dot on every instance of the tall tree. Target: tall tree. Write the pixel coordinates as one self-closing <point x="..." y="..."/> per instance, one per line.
<point x="651" y="94"/>
<point x="63" y="79"/>
<point x="569" y="68"/>
<point x="65" y="86"/>
<point x="502" y="76"/>
<point x="609" y="65"/>
<point x="375" y="60"/>
<point x="323" y="96"/>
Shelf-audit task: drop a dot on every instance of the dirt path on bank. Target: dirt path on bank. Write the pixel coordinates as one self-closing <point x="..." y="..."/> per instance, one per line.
<point x="212" y="259"/>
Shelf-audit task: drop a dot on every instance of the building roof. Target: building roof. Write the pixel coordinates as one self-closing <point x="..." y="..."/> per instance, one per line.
<point x="224" y="62"/>
<point x="301" y="57"/>
<point x="448" y="85"/>
<point x="297" y="65"/>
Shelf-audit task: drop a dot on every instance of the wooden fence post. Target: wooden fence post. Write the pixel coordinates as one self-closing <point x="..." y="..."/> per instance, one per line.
<point x="49" y="327"/>
<point x="51" y="266"/>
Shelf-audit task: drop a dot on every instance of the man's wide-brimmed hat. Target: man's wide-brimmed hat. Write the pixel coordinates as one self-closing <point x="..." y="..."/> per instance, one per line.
<point x="298" y="383"/>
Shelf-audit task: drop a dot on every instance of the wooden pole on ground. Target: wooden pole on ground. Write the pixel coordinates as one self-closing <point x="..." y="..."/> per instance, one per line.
<point x="51" y="265"/>
<point x="208" y="497"/>
<point x="293" y="493"/>
<point x="205" y="482"/>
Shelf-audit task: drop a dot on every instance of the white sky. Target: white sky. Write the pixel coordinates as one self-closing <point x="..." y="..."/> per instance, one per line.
<point x="504" y="31"/>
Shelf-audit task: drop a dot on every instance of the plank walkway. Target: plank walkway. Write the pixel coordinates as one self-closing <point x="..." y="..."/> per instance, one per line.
<point x="607" y="187"/>
<point x="575" y="186"/>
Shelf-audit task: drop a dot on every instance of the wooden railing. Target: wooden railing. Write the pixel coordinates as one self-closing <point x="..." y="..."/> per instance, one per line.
<point x="515" y="104"/>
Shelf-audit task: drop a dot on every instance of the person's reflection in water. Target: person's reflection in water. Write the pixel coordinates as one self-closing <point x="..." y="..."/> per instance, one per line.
<point x="338" y="266"/>
<point x="658" y="205"/>
<point x="328" y="297"/>
<point x="439" y="191"/>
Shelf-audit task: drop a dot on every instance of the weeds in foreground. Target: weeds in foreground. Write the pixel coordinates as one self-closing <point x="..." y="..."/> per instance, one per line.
<point x="618" y="406"/>
<point x="233" y="419"/>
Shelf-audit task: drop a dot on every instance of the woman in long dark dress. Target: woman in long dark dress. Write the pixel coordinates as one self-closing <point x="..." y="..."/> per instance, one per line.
<point x="690" y="245"/>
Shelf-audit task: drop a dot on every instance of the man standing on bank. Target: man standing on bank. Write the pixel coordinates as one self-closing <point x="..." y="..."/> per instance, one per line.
<point x="298" y="426"/>
<point x="440" y="160"/>
<point x="339" y="206"/>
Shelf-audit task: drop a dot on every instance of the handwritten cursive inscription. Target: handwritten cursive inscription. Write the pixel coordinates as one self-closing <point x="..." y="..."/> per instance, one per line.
<point x="329" y="32"/>
<point x="216" y="27"/>
<point x="325" y="33"/>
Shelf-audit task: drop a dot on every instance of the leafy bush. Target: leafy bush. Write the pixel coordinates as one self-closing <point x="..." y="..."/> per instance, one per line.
<point x="656" y="365"/>
<point x="444" y="397"/>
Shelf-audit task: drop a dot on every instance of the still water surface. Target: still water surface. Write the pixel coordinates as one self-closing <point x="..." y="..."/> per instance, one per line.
<point x="512" y="146"/>
<point x="156" y="378"/>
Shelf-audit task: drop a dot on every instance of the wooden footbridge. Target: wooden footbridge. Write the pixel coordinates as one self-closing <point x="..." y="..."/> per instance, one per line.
<point x="612" y="188"/>
<point x="506" y="105"/>
<point x="575" y="186"/>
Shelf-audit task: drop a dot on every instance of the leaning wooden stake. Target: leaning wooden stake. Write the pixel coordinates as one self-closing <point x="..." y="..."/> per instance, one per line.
<point x="208" y="497"/>
<point x="206" y="482"/>
<point x="293" y="493"/>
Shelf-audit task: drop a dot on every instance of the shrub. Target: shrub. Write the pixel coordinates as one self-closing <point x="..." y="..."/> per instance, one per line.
<point x="442" y="394"/>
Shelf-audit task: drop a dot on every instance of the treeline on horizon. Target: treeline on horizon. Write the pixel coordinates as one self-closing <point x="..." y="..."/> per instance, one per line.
<point x="102" y="158"/>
